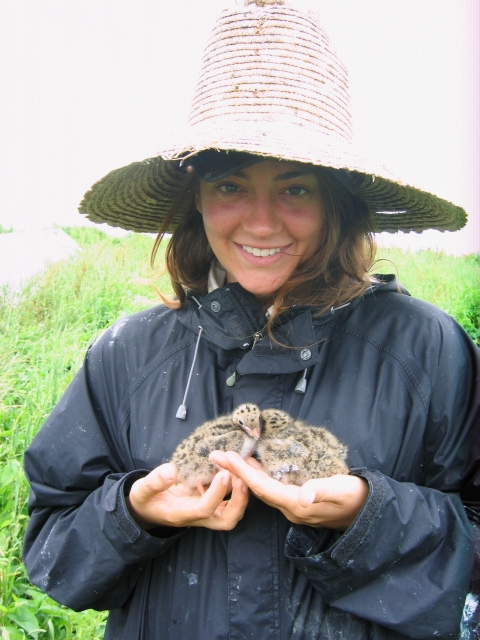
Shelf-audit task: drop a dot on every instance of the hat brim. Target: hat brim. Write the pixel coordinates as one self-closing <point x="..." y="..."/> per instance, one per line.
<point x="270" y="86"/>
<point x="139" y="196"/>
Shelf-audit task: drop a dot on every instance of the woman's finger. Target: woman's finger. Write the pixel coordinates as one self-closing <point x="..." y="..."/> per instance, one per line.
<point x="213" y="512"/>
<point x="314" y="491"/>
<point x="334" y="502"/>
<point x="231" y="511"/>
<point x="337" y="489"/>
<point x="158" y="480"/>
<point x="220" y="459"/>
<point x="267" y="489"/>
<point x="254" y="463"/>
<point x="208" y="503"/>
<point x="239" y="498"/>
<point x="234" y="463"/>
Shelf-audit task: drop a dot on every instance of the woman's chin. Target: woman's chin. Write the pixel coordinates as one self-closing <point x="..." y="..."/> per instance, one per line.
<point x="261" y="286"/>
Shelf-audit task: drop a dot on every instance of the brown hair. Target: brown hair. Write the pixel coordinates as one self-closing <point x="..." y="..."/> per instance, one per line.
<point x="336" y="273"/>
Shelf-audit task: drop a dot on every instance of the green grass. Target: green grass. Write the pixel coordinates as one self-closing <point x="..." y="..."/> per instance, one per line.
<point x="43" y="337"/>
<point x="453" y="284"/>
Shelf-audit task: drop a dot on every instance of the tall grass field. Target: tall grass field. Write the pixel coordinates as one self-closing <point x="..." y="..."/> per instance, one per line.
<point x="44" y="332"/>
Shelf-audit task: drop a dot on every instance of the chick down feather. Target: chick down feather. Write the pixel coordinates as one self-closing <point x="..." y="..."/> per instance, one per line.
<point x="294" y="452"/>
<point x="238" y="431"/>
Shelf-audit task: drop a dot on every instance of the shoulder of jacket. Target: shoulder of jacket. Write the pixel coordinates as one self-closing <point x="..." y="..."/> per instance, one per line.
<point x="130" y="326"/>
<point x="139" y="336"/>
<point x="401" y="324"/>
<point x="387" y="300"/>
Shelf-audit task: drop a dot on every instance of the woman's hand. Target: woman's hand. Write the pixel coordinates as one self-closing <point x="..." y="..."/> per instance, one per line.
<point x="155" y="501"/>
<point x="332" y="502"/>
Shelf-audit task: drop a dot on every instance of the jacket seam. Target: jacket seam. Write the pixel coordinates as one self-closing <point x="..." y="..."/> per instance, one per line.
<point x="392" y="353"/>
<point x="275" y="577"/>
<point x="148" y="373"/>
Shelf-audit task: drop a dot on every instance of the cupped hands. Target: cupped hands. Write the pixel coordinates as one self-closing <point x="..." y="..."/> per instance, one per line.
<point x="156" y="501"/>
<point x="332" y="502"/>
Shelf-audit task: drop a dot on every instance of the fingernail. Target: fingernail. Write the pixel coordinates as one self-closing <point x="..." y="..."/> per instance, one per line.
<point x="167" y="474"/>
<point x="308" y="498"/>
<point x="244" y="488"/>
<point x="225" y="478"/>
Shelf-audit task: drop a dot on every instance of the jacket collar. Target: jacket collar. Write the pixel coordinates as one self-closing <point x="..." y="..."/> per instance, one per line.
<point x="229" y="316"/>
<point x="381" y="283"/>
<point x="232" y="319"/>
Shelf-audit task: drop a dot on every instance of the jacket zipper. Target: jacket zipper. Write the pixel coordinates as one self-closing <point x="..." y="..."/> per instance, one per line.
<point x="257" y="335"/>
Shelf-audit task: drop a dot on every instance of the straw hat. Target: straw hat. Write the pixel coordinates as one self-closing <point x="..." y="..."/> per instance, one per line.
<point x="270" y="85"/>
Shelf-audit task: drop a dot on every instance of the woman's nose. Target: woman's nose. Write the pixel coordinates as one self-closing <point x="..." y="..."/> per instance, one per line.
<point x="262" y="218"/>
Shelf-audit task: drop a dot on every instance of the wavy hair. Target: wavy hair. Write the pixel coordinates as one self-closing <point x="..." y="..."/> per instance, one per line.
<point x="336" y="273"/>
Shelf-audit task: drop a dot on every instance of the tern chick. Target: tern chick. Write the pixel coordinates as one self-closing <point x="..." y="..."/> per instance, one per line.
<point x="238" y="431"/>
<point x="294" y="452"/>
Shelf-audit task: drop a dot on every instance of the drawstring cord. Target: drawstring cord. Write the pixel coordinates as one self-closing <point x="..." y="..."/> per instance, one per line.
<point x="182" y="409"/>
<point x="333" y="309"/>
<point x="231" y="380"/>
<point x="199" y="303"/>
<point x="302" y="382"/>
<point x="301" y="385"/>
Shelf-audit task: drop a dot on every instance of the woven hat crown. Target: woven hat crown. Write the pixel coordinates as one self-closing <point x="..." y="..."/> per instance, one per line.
<point x="270" y="85"/>
<point x="273" y="63"/>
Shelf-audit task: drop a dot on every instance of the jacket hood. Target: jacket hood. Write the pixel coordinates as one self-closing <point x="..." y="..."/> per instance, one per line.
<point x="231" y="317"/>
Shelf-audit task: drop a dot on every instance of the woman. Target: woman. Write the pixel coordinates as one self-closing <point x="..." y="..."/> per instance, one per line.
<point x="271" y="212"/>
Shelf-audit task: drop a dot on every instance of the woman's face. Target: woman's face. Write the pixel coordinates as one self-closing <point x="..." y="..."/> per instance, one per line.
<point x="262" y="222"/>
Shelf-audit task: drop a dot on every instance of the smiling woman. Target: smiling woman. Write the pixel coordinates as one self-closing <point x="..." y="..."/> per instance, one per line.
<point x="271" y="211"/>
<point x="262" y="222"/>
<point x="315" y="233"/>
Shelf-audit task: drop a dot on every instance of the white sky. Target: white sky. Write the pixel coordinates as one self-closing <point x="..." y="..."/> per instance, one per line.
<point x="91" y="85"/>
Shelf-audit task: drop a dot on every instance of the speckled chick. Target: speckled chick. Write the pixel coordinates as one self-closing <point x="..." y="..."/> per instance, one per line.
<point x="238" y="431"/>
<point x="294" y="452"/>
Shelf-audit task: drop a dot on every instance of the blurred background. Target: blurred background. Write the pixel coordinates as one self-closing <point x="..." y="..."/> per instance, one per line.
<point x="92" y="85"/>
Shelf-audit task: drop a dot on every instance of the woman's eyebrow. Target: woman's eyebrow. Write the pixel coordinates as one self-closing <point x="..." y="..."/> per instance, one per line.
<point x="293" y="174"/>
<point x="239" y="174"/>
<point x="281" y="176"/>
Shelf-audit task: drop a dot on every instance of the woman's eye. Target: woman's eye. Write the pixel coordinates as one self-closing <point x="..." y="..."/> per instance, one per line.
<point x="228" y="187"/>
<point x="296" y="191"/>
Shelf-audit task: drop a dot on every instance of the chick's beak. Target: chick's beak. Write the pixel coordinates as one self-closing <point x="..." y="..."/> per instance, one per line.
<point x="253" y="433"/>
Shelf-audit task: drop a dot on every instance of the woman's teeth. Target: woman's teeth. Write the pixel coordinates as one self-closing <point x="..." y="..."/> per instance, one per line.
<point x="261" y="252"/>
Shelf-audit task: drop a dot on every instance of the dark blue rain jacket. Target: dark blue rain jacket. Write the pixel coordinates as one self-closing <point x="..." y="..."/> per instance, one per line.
<point x="394" y="378"/>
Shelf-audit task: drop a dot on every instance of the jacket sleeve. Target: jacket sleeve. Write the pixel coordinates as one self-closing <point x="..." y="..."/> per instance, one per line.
<point x="81" y="546"/>
<point x="470" y="494"/>
<point x="406" y="560"/>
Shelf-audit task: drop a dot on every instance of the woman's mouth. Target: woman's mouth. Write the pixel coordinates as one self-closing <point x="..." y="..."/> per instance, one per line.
<point x="261" y="252"/>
